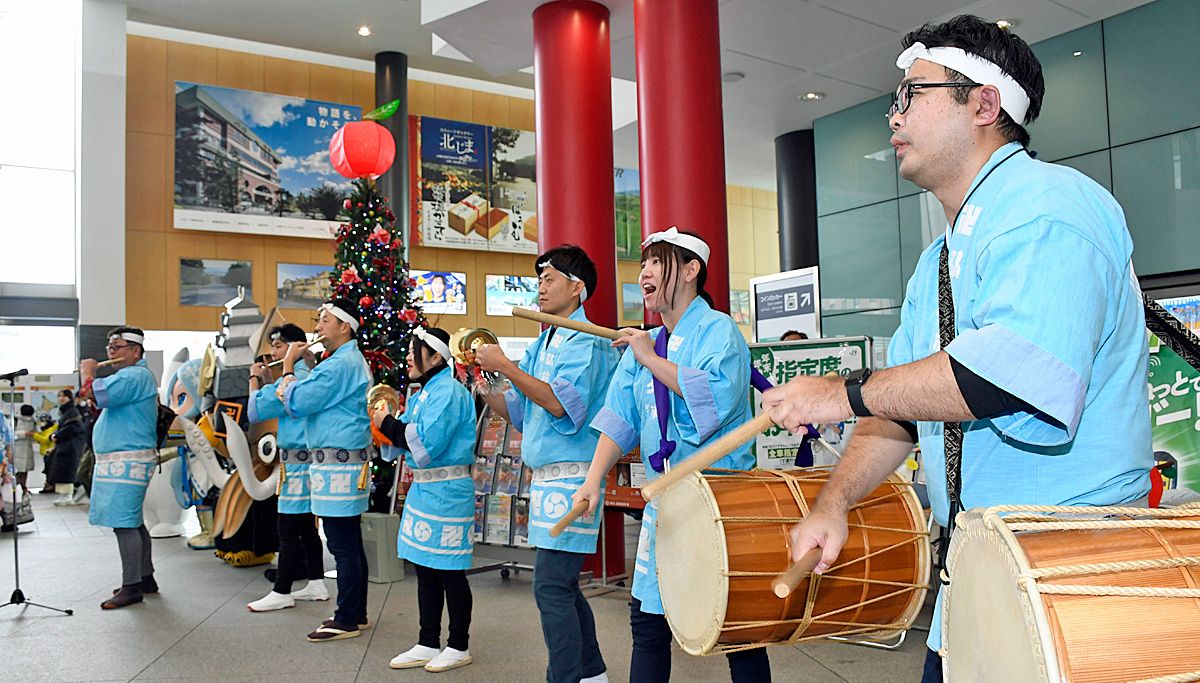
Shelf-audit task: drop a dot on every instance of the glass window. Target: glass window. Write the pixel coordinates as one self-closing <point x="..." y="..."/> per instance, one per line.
<point x="1158" y="185"/>
<point x="37" y="225"/>
<point x="879" y="325"/>
<point x="1153" y="85"/>
<point x="42" y="349"/>
<point x="860" y="259"/>
<point x="921" y="221"/>
<point x="1095" y="166"/>
<point x="1074" y="118"/>
<point x="856" y="164"/>
<point x="37" y="119"/>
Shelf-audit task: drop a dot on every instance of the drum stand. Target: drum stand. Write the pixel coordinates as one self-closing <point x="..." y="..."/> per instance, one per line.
<point x="18" y="596"/>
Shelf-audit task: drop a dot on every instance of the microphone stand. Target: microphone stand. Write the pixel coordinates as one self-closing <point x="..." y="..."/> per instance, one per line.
<point x="18" y="596"/>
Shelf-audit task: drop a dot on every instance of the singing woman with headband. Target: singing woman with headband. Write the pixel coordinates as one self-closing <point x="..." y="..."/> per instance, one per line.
<point x="677" y="388"/>
<point x="332" y="400"/>
<point x="437" y="435"/>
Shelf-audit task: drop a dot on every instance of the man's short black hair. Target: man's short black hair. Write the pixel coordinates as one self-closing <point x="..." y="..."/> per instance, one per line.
<point x="118" y="331"/>
<point x="288" y="332"/>
<point x="572" y="260"/>
<point x="999" y="46"/>
<point x="27" y="410"/>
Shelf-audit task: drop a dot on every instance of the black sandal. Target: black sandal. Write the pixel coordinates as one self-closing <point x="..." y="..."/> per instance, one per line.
<point x="128" y="595"/>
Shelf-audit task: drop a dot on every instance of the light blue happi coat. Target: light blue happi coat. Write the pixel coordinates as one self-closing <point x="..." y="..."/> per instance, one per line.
<point x="124" y="441"/>
<point x="333" y="402"/>
<point x="714" y="376"/>
<point x="577" y="367"/>
<point x="439" y="516"/>
<point x="1047" y="308"/>
<point x="265" y="405"/>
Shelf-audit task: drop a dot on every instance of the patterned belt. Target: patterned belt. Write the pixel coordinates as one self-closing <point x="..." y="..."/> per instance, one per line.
<point x="561" y="470"/>
<point x="324" y="455"/>
<point x="428" y="474"/>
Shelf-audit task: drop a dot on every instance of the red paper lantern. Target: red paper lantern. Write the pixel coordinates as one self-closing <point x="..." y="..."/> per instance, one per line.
<point x="362" y="149"/>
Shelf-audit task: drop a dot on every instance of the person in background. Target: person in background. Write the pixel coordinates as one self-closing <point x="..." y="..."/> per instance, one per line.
<point x="23" y="446"/>
<point x="69" y="441"/>
<point x="793" y="335"/>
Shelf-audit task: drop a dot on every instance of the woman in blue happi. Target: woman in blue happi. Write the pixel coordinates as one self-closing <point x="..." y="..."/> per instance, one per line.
<point x="677" y="388"/>
<point x="300" y="551"/>
<point x="558" y="388"/>
<point x="437" y="431"/>
<point x="332" y="400"/>
<point x="124" y="441"/>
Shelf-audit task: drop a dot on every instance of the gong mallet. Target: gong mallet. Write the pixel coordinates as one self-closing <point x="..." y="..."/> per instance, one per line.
<point x="311" y="344"/>
<point x="705" y="457"/>
<point x="786" y="583"/>
<point x="573" y="514"/>
<point x="559" y="321"/>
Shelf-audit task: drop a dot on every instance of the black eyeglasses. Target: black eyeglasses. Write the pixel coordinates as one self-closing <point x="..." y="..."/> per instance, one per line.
<point x="902" y="98"/>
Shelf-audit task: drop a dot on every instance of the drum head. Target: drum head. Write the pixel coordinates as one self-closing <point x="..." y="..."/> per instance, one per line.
<point x="989" y="631"/>
<point x="692" y="564"/>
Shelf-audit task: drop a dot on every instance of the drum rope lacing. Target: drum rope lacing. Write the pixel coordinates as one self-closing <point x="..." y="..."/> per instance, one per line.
<point x="808" y="619"/>
<point x="1031" y="579"/>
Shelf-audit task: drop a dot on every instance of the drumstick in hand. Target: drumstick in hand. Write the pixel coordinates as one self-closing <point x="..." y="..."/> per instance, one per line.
<point x="573" y="514"/>
<point x="559" y="321"/>
<point x="786" y="583"/>
<point x="706" y="456"/>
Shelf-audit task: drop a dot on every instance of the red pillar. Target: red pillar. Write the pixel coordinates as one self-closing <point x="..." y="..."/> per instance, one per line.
<point x="573" y="96"/>
<point x="680" y="134"/>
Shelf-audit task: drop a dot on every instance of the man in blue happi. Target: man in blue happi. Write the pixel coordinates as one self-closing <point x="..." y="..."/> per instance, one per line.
<point x="125" y="442"/>
<point x="558" y="388"/>
<point x="300" y="552"/>
<point x="333" y="402"/>
<point x="1022" y="341"/>
<point x="676" y="389"/>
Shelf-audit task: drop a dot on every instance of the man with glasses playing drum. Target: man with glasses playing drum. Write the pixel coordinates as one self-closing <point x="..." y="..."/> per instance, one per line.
<point x="1020" y="361"/>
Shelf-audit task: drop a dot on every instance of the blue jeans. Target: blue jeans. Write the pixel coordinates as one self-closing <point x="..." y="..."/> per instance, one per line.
<point x="344" y="537"/>
<point x="651" y="660"/>
<point x="567" y="623"/>
<point x="933" y="668"/>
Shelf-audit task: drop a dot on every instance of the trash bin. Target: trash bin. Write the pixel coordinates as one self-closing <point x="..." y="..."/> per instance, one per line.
<point x="379" y="532"/>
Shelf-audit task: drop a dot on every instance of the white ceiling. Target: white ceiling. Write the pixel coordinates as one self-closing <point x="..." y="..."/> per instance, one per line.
<point x="842" y="48"/>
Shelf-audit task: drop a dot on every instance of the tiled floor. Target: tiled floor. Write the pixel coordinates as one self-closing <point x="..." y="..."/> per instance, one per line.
<point x="199" y="628"/>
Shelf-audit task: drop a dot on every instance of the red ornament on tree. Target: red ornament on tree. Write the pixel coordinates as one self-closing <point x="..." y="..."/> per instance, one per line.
<point x="362" y="149"/>
<point x="366" y="302"/>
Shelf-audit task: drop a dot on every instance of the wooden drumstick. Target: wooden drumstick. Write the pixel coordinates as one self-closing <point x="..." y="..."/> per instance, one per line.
<point x="559" y="321"/>
<point x="312" y="343"/>
<point x="573" y="514"/>
<point x="706" y="456"/>
<point x="786" y="583"/>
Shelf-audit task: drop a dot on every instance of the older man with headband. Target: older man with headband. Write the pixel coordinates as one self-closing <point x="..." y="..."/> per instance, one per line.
<point x="1021" y="355"/>
<point x="124" y="441"/>
<point x="333" y="402"/>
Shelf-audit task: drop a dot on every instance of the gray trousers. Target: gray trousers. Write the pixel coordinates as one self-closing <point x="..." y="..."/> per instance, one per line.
<point x="134" y="545"/>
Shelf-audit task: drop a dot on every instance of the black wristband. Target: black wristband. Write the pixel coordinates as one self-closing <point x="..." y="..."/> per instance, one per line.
<point x="287" y="374"/>
<point x="854" y="382"/>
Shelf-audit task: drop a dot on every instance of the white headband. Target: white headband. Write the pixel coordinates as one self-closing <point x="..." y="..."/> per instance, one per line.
<point x="129" y="336"/>
<point x="433" y="342"/>
<point x="1012" y="96"/>
<point x="340" y="315"/>
<point x="673" y="236"/>
<point x="583" y="294"/>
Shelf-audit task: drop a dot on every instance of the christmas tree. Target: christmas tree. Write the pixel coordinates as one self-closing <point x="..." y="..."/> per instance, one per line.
<point x="369" y="269"/>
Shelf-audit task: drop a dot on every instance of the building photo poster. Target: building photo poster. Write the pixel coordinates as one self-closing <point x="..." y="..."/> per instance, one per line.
<point x="257" y="163"/>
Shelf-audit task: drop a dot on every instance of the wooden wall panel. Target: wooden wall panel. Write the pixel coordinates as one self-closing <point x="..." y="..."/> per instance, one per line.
<point x="145" y="169"/>
<point x="420" y="98"/>
<point x="145" y="273"/>
<point x="148" y="95"/>
<point x="185" y="62"/>
<point x="240" y="70"/>
<point x="330" y="84"/>
<point x="285" y="77"/>
<point x="453" y="103"/>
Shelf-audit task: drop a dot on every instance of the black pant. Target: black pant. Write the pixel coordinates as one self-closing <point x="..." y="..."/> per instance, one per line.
<point x="651" y="660"/>
<point x="136" y="562"/>
<point x="344" y="535"/>
<point x="438" y="586"/>
<point x="300" y="551"/>
<point x="933" y="668"/>
<point x="567" y="622"/>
